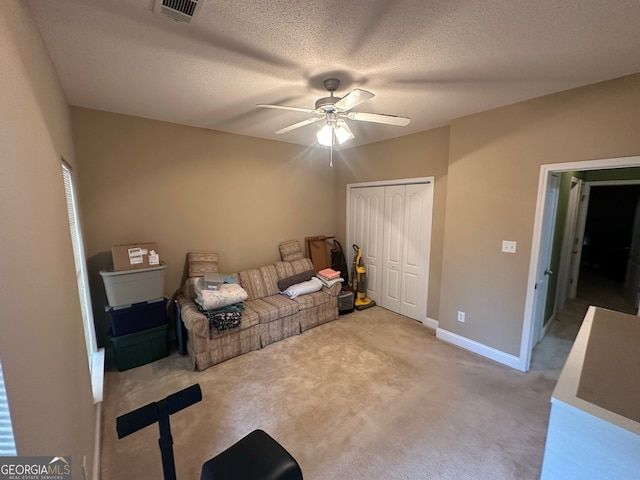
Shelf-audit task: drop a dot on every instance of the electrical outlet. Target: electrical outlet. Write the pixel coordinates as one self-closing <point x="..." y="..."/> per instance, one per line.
<point x="460" y="316"/>
<point x="509" y="246"/>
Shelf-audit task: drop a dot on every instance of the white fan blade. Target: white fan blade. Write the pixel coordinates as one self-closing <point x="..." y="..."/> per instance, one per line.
<point x="353" y="99"/>
<point x="299" y="124"/>
<point x="285" y="107"/>
<point x="379" y="118"/>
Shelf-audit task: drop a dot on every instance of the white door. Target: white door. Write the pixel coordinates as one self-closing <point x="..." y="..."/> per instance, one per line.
<point x="576" y="253"/>
<point x="366" y="230"/>
<point x="418" y="205"/>
<point x="542" y="279"/>
<point x="393" y="245"/>
<point x="569" y="241"/>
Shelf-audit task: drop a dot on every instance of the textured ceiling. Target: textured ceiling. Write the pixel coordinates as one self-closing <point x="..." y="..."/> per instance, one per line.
<point x="432" y="61"/>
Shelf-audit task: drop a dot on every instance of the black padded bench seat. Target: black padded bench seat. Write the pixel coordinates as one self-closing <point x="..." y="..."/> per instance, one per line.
<point x="255" y="457"/>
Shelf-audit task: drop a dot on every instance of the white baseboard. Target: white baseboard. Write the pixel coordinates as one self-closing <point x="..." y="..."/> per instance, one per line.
<point x="97" y="442"/>
<point x="97" y="386"/>
<point x="97" y="375"/>
<point x="430" y="323"/>
<point x="479" y="348"/>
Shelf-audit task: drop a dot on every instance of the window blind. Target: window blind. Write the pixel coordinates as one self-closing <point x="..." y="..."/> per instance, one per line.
<point x="95" y="356"/>
<point x="7" y="443"/>
<point x="78" y="255"/>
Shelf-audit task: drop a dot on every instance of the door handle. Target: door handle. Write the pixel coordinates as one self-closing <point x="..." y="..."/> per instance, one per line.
<point x="548" y="272"/>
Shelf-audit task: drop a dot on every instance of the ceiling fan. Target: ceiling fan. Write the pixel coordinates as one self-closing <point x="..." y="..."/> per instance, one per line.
<point x="335" y="111"/>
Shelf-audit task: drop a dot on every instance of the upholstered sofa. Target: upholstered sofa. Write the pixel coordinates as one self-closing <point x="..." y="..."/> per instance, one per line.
<point x="268" y="315"/>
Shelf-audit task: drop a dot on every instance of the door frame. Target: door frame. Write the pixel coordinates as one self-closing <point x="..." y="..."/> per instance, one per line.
<point x="526" y="347"/>
<point x="385" y="183"/>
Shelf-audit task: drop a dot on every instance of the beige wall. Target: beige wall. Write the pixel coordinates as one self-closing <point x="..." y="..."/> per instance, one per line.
<point x="494" y="166"/>
<point x="422" y="154"/>
<point x="42" y="343"/>
<point x="188" y="188"/>
<point x="143" y="180"/>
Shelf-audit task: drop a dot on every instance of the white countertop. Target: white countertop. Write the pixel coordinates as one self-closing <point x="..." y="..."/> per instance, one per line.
<point x="567" y="386"/>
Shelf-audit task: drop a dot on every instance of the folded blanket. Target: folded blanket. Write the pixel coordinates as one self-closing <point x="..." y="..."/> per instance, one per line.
<point x="235" y="307"/>
<point x="224" y="321"/>
<point x="329" y="283"/>
<point x="225" y="318"/>
<point x="226" y="294"/>
<point x="328" y="273"/>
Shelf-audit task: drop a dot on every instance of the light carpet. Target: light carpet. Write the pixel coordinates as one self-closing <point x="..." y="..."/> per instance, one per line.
<point x="372" y="395"/>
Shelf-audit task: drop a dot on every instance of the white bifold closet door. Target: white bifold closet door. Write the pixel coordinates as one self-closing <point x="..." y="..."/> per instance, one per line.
<point x="366" y="229"/>
<point x="392" y="225"/>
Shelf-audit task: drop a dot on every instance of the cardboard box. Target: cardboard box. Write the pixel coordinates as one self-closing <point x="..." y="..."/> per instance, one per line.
<point x="134" y="256"/>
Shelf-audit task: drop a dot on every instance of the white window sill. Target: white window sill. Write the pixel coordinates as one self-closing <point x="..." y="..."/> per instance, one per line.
<point x="97" y="375"/>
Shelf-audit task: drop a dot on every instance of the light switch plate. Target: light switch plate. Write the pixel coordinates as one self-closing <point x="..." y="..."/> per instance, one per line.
<point x="509" y="246"/>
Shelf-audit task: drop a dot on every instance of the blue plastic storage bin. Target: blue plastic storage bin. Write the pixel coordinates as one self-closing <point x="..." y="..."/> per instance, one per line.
<point x="138" y="317"/>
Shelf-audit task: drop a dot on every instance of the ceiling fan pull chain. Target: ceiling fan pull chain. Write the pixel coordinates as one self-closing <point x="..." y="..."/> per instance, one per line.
<point x="331" y="154"/>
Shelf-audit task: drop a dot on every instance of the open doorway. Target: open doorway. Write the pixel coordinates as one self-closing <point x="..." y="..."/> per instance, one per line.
<point x="605" y="277"/>
<point x="533" y="320"/>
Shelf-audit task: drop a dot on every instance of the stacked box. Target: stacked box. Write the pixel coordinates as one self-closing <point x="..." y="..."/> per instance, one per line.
<point x="137" y="309"/>
<point x="140" y="348"/>
<point x="137" y="317"/>
<point x="133" y="286"/>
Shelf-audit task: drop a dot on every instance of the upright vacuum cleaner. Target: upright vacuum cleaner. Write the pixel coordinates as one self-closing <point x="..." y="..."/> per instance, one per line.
<point x="359" y="282"/>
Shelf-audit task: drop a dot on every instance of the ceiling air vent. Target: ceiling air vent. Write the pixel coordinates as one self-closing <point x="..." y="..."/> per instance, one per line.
<point x="179" y="10"/>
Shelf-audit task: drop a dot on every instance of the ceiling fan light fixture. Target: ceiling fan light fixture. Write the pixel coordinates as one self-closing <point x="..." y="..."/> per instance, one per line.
<point x="325" y="135"/>
<point x="334" y="110"/>
<point x="341" y="131"/>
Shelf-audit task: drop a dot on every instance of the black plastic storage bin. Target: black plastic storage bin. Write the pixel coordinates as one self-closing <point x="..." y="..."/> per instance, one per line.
<point x="138" y="317"/>
<point x="140" y="348"/>
<point x="345" y="302"/>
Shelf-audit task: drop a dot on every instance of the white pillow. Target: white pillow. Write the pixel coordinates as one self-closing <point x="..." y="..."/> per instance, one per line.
<point x="310" y="286"/>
